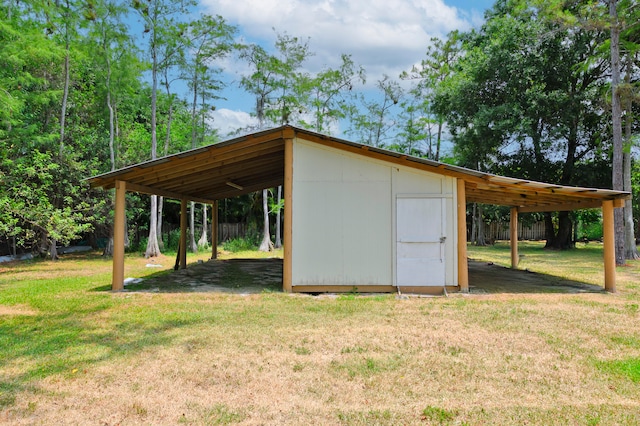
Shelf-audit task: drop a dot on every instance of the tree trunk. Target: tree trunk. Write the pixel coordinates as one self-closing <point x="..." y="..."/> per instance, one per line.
<point x="112" y="151"/>
<point x="278" y="219"/>
<point x="560" y="240"/>
<point x="439" y="140"/>
<point x="203" y="242"/>
<point x="65" y="96"/>
<point x="153" y="249"/>
<point x="480" y="239"/>
<point x="165" y="152"/>
<point x="549" y="230"/>
<point x="159" y="224"/>
<point x="127" y="242"/>
<point x="108" y="249"/>
<point x="474" y="229"/>
<point x="616" y="116"/>
<point x="192" y="228"/>
<point x="152" y="244"/>
<point x="630" y="249"/>
<point x="53" y="249"/>
<point x="265" y="245"/>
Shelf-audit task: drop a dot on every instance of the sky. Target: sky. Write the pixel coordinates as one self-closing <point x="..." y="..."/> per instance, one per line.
<point x="383" y="36"/>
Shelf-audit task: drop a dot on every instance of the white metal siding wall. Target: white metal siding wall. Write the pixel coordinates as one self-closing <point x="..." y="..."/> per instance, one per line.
<point x="344" y="219"/>
<point x="341" y="218"/>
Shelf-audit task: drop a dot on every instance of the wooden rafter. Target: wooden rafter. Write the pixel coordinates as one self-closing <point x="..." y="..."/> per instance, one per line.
<point x="256" y="162"/>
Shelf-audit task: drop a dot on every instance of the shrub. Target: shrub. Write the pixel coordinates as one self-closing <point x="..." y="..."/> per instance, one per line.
<point x="590" y="231"/>
<point x="141" y="246"/>
<point x="241" y="244"/>
<point x="171" y="240"/>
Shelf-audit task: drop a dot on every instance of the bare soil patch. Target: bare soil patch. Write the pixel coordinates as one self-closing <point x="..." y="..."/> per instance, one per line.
<point x="487" y="277"/>
<point x="248" y="276"/>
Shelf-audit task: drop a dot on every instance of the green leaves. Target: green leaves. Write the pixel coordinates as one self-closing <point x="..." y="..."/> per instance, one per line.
<point x="40" y="199"/>
<point x="276" y="80"/>
<point x="519" y="99"/>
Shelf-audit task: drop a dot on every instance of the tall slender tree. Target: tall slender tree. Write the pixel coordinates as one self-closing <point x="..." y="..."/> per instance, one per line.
<point x="327" y="94"/>
<point x="630" y="248"/>
<point x="616" y="122"/>
<point x="274" y="81"/>
<point x="157" y="15"/>
<point x="374" y="124"/>
<point x="115" y="53"/>
<point x="210" y="39"/>
<point x="432" y="72"/>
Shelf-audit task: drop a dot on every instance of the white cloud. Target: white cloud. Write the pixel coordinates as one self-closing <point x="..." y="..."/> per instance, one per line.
<point x="383" y="36"/>
<point x="229" y="121"/>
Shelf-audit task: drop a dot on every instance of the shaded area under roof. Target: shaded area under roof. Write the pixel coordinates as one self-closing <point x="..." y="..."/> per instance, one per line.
<point x="256" y="161"/>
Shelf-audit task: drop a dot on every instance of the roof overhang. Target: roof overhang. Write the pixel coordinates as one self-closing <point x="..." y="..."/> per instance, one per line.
<point x="256" y="161"/>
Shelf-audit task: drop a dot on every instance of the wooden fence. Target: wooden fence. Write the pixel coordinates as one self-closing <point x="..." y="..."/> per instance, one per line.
<point x="229" y="231"/>
<point x="500" y="231"/>
<point x="226" y="231"/>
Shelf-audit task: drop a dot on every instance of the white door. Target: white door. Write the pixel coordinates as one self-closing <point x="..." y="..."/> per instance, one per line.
<point x="420" y="225"/>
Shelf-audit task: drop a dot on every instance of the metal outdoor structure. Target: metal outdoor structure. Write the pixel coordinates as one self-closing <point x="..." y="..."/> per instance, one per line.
<point x="265" y="160"/>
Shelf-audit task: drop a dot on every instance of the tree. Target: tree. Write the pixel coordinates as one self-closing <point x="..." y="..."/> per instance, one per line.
<point x="521" y="100"/>
<point x="63" y="17"/>
<point x="374" y="125"/>
<point x="630" y="42"/>
<point x="325" y="94"/>
<point x="616" y="122"/>
<point x="156" y="15"/>
<point x="43" y="198"/>
<point x="274" y="81"/>
<point x="415" y="127"/>
<point x="631" y="251"/>
<point x="432" y="72"/>
<point x="210" y="39"/>
<point x="115" y="57"/>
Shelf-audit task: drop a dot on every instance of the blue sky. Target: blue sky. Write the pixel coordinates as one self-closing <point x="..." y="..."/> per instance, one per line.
<point x="383" y="36"/>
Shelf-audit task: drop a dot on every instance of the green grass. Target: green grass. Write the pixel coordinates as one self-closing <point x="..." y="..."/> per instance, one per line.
<point x="438" y="415"/>
<point x="290" y="359"/>
<point x="627" y="368"/>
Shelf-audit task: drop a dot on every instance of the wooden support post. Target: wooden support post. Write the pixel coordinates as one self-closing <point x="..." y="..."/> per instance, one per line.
<point x="288" y="216"/>
<point x="609" y="246"/>
<point x="463" y="267"/>
<point x="117" y="279"/>
<point x="513" y="233"/>
<point x="214" y="230"/>
<point x="183" y="234"/>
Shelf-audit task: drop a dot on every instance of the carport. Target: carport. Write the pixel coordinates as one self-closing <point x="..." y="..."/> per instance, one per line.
<point x="286" y="155"/>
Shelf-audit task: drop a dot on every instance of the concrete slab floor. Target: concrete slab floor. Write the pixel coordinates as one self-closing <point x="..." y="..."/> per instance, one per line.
<point x="251" y="276"/>
<point x="490" y="278"/>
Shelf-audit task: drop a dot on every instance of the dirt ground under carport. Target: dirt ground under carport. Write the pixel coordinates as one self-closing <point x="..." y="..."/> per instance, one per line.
<point x="250" y="276"/>
<point x="491" y="278"/>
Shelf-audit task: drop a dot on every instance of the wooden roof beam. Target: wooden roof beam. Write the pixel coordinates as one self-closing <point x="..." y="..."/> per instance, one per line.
<point x="244" y="180"/>
<point x="177" y="160"/>
<point x="196" y="166"/>
<point x="169" y="194"/>
<point x="230" y="192"/>
<point x="235" y="172"/>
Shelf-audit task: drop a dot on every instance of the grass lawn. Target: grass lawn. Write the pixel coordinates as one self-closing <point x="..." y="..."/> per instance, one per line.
<point x="72" y="352"/>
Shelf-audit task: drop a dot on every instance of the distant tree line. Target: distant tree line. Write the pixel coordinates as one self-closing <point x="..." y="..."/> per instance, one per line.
<point x="542" y="90"/>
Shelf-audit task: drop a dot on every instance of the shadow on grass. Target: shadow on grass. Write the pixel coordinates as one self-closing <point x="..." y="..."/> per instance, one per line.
<point x="37" y="346"/>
